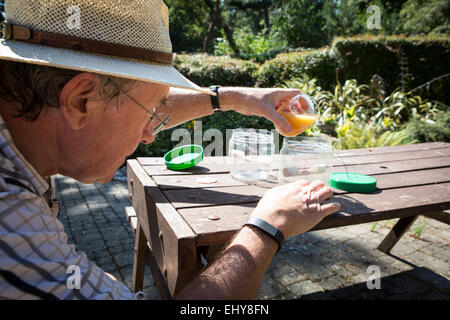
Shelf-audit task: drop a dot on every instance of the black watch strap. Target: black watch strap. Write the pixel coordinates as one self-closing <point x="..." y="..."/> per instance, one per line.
<point x="215" y="99"/>
<point x="268" y="229"/>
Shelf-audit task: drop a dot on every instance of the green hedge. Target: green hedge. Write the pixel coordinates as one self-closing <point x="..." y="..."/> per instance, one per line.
<point x="320" y="64"/>
<point x="422" y="59"/>
<point x="206" y="70"/>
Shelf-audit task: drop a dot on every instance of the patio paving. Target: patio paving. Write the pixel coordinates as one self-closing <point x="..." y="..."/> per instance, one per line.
<point x="329" y="264"/>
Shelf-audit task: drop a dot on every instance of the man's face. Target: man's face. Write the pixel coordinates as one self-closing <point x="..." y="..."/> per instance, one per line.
<point x="111" y="134"/>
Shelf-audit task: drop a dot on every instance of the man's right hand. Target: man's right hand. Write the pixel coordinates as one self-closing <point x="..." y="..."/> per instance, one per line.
<point x="296" y="207"/>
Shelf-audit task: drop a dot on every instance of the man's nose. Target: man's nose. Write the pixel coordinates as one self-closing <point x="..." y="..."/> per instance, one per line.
<point x="148" y="136"/>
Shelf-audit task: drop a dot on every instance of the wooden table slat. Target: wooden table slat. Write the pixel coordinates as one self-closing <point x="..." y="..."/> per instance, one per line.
<point x="356" y="208"/>
<point x="155" y="161"/>
<point x="215" y="165"/>
<point x="198" y="197"/>
<point x="173" y="182"/>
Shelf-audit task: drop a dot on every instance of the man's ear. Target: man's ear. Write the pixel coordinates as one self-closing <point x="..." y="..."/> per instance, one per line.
<point x="73" y="99"/>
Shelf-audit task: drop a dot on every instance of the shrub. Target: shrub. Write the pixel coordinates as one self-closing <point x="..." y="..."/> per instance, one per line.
<point x="320" y="64"/>
<point x="357" y="135"/>
<point x="256" y="47"/>
<point x="429" y="130"/>
<point x="206" y="70"/>
<point x="405" y="62"/>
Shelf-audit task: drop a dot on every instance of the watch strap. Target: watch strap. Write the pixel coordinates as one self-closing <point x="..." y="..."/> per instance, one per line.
<point x="215" y="99"/>
<point x="268" y="229"/>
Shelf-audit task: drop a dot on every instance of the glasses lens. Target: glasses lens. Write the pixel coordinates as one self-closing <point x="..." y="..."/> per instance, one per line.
<point x="159" y="122"/>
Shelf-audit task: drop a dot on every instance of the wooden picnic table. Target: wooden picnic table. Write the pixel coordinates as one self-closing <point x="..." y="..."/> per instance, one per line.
<point x="178" y="219"/>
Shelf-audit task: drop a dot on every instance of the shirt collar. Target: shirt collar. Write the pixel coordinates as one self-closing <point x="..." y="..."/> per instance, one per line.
<point x="21" y="165"/>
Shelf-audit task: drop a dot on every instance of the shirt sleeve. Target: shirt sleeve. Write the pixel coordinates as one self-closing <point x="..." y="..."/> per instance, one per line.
<point x="36" y="261"/>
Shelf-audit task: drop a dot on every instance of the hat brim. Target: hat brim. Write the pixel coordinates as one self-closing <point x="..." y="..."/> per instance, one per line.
<point x="81" y="61"/>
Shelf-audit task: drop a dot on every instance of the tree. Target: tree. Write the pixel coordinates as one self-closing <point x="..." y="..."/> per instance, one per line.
<point x="188" y="24"/>
<point x="300" y="22"/>
<point x="257" y="5"/>
<point x="422" y="17"/>
<point x="217" y="20"/>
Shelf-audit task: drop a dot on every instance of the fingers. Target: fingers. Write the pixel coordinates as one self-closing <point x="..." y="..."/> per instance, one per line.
<point x="279" y="121"/>
<point x="329" y="208"/>
<point x="301" y="183"/>
<point x="324" y="194"/>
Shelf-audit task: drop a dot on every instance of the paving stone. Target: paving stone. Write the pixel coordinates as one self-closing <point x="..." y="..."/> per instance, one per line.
<point x="286" y="274"/>
<point x="298" y="289"/>
<point x="422" y="259"/>
<point x="269" y="289"/>
<point x="80" y="209"/>
<point x="124" y="258"/>
<point x="308" y="267"/>
<point x="332" y="283"/>
<point x="426" y="275"/>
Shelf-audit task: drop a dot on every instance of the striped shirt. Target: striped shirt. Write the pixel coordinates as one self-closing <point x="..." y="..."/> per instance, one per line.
<point x="36" y="261"/>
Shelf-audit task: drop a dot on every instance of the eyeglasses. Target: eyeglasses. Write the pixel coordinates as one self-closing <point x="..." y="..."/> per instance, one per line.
<point x="163" y="120"/>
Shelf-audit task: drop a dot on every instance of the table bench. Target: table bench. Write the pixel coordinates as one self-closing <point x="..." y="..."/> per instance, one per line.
<point x="180" y="223"/>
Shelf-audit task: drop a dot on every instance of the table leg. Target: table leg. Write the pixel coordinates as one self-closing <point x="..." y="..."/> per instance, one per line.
<point x="140" y="256"/>
<point x="396" y="233"/>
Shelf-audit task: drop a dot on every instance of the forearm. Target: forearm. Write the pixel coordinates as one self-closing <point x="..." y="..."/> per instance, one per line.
<point x="184" y="105"/>
<point x="238" y="272"/>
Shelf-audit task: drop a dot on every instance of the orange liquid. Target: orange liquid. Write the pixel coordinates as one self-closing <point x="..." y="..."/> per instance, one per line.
<point x="299" y="122"/>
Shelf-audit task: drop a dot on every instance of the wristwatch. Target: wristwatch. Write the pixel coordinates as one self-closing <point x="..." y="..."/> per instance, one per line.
<point x="215" y="99"/>
<point x="268" y="229"/>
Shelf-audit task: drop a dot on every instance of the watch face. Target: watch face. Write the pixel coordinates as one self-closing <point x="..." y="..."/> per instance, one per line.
<point x="215" y="99"/>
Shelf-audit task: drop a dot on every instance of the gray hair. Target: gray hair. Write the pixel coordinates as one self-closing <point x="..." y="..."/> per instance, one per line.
<point x="35" y="86"/>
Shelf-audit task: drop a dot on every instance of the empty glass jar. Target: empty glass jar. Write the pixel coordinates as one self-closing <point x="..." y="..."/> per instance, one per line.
<point x="307" y="158"/>
<point x="250" y="152"/>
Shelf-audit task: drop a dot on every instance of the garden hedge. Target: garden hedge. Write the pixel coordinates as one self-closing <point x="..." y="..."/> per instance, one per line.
<point x="206" y="70"/>
<point x="421" y="58"/>
<point x="416" y="59"/>
<point x="320" y="64"/>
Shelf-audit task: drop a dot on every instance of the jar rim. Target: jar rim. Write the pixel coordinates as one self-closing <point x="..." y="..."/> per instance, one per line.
<point x="258" y="136"/>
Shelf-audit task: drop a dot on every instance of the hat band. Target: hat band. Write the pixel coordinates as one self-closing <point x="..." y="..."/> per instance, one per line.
<point x="25" y="34"/>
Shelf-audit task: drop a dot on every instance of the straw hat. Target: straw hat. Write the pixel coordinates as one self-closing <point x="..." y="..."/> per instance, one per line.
<point x="127" y="39"/>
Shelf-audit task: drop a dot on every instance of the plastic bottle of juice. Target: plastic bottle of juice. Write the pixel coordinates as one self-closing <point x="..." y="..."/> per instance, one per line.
<point x="299" y="111"/>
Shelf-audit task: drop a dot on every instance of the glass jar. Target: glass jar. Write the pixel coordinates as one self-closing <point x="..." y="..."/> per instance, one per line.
<point x="250" y="152"/>
<point x="299" y="111"/>
<point x="305" y="158"/>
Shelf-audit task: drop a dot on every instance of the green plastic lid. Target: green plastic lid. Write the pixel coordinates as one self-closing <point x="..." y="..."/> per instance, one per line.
<point x="353" y="182"/>
<point x="183" y="157"/>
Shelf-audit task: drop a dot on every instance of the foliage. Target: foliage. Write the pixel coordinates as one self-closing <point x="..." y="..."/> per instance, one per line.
<point x="258" y="47"/>
<point x="359" y="115"/>
<point x="304" y="84"/>
<point x="319" y="64"/>
<point x="354" y="135"/>
<point x="431" y="130"/>
<point x="423" y="17"/>
<point x="187" y="24"/>
<point x="400" y="61"/>
<point x="206" y="70"/>
<point x="222" y="121"/>
<point x="300" y="23"/>
<point x="362" y="104"/>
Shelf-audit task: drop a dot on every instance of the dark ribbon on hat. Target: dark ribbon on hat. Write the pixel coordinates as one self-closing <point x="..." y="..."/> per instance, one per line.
<point x="25" y="34"/>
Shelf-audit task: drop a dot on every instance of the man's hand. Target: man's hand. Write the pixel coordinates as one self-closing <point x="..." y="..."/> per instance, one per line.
<point x="259" y="102"/>
<point x="296" y="207"/>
